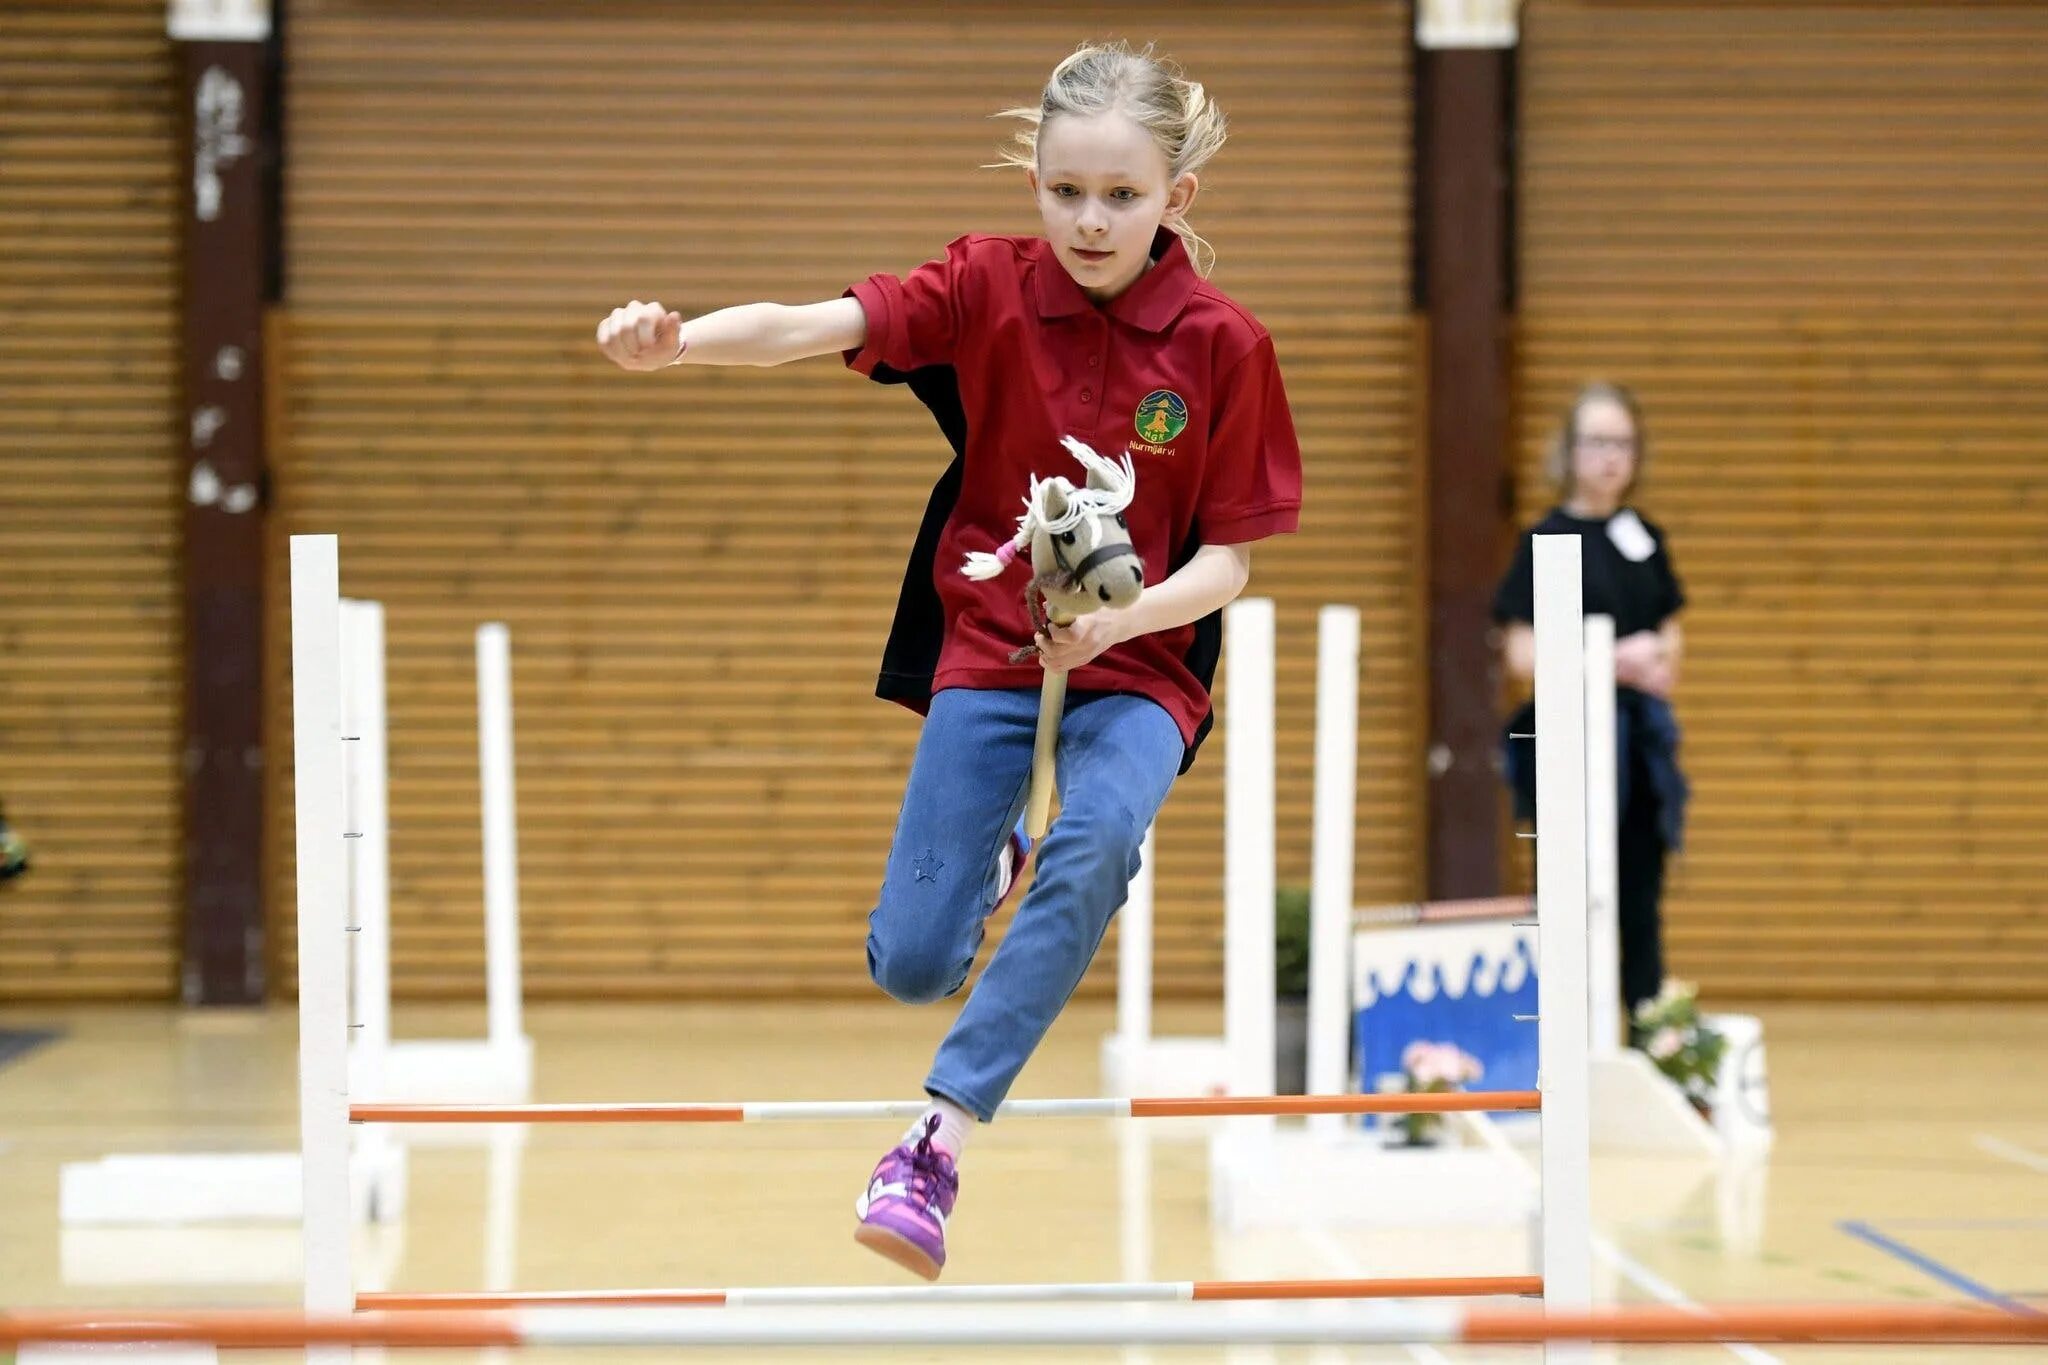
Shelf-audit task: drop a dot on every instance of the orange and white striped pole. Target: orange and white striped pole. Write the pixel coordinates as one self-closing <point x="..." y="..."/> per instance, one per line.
<point x="785" y="1111"/>
<point x="1168" y="1291"/>
<point x="1369" y="1324"/>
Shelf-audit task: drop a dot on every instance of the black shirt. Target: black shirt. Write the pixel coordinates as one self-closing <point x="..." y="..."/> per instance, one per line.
<point x="1639" y="595"/>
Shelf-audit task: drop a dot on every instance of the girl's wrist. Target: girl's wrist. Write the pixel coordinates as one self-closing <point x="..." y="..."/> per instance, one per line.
<point x="1129" y="623"/>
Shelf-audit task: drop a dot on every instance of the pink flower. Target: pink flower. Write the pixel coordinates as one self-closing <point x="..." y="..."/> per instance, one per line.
<point x="1431" y="1064"/>
<point x="1665" y="1043"/>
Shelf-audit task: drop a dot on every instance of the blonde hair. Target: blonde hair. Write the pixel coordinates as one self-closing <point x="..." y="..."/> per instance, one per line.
<point x="1560" y="466"/>
<point x="1099" y="78"/>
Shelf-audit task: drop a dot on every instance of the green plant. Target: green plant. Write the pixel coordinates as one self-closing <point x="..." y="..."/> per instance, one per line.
<point x="1683" y="1046"/>
<point x="1290" y="941"/>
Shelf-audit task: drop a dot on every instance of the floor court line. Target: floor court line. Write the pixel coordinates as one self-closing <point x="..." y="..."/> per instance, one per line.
<point x="1933" y="1269"/>
<point x="2008" y="1151"/>
<point x="1661" y="1289"/>
<point x="1929" y="1224"/>
<point x="1334" y="1255"/>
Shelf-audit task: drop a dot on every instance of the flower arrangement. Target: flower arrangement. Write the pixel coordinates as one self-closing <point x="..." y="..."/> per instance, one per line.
<point x="1429" y="1069"/>
<point x="1669" y="1029"/>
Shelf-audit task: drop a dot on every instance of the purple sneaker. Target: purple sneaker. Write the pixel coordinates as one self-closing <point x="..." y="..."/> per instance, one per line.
<point x="903" y="1211"/>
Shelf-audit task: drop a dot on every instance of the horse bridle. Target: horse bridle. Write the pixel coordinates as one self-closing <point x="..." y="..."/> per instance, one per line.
<point x="1099" y="555"/>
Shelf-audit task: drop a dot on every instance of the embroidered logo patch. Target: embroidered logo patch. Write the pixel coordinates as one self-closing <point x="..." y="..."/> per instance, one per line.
<point x="1162" y="415"/>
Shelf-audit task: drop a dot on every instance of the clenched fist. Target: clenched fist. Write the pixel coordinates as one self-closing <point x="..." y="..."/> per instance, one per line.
<point x="641" y="336"/>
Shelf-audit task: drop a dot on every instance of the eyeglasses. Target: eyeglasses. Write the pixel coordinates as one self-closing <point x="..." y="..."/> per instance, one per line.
<point x="1620" y="444"/>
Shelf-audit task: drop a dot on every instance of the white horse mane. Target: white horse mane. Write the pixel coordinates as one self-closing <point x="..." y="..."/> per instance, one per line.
<point x="1084" y="506"/>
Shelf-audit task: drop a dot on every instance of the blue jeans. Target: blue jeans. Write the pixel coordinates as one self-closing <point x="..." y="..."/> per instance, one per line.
<point x="1118" y="756"/>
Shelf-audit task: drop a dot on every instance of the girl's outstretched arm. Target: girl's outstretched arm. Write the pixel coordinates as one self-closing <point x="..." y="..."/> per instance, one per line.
<point x="647" y="336"/>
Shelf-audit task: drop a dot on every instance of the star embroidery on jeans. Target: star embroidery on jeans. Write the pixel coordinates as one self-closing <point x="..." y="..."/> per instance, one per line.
<point x="927" y="867"/>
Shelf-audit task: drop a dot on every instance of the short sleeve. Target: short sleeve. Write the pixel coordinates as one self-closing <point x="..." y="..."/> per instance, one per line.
<point x="1515" y="598"/>
<point x="1252" y="484"/>
<point x="1670" y="591"/>
<point x="913" y="321"/>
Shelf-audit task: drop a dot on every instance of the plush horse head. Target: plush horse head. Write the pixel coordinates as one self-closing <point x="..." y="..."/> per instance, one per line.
<point x="1082" y="558"/>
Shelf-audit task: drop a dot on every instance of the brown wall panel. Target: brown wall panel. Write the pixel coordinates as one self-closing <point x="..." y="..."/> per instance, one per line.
<point x="90" y="624"/>
<point x="1815" y="239"/>
<point x="698" y="568"/>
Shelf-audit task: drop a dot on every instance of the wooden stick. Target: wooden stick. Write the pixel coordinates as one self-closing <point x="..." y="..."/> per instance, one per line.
<point x="1052" y="706"/>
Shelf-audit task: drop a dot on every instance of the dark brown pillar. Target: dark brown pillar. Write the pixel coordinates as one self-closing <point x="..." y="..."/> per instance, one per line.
<point x="1462" y="182"/>
<point x="227" y="241"/>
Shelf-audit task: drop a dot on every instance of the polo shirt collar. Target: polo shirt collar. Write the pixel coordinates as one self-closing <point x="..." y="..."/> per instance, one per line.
<point x="1151" y="304"/>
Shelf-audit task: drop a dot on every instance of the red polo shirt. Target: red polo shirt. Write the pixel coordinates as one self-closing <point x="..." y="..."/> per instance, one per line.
<point x="997" y="339"/>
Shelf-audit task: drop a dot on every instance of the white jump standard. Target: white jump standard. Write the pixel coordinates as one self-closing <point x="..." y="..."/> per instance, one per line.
<point x="327" y="1112"/>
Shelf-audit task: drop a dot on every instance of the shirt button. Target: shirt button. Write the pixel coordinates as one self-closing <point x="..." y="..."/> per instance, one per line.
<point x="1093" y="361"/>
<point x="1087" y="395"/>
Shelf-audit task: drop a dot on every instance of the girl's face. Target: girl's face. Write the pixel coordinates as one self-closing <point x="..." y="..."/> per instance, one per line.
<point x="1604" y="455"/>
<point x="1102" y="189"/>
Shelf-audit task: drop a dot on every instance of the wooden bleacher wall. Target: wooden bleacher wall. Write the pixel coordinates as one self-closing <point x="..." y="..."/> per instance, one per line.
<point x="91" y="650"/>
<point x="698" y="567"/>
<point x="1814" y="237"/>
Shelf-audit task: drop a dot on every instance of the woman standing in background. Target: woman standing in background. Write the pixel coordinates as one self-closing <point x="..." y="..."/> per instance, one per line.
<point x="1596" y="463"/>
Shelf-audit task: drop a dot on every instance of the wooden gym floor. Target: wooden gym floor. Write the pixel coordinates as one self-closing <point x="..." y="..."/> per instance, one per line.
<point x="1911" y="1165"/>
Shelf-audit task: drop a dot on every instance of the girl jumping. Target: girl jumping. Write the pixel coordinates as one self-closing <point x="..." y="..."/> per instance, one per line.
<point x="1105" y="330"/>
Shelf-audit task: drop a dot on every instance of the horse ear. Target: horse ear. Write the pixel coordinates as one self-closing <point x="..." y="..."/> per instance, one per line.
<point x="1097" y="479"/>
<point x="1057" y="494"/>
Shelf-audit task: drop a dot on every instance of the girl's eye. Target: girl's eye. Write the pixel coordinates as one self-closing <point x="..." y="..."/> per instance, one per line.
<point x="1126" y="195"/>
<point x="1065" y="191"/>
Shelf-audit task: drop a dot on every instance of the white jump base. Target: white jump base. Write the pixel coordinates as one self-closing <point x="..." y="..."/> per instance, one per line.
<point x="1152" y="1068"/>
<point x="1355" y="1179"/>
<point x="183" y="1190"/>
<point x="448" y="1070"/>
<point x="176" y="1189"/>
<point x="209" y="1255"/>
<point x="1637" y="1108"/>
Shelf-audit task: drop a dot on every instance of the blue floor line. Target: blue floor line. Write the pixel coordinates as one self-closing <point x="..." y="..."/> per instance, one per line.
<point x="1927" y="1265"/>
<point x="18" y="1043"/>
<point x="1965" y="1223"/>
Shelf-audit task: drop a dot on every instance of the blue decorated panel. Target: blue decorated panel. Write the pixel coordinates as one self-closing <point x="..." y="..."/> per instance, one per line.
<point x="1451" y="983"/>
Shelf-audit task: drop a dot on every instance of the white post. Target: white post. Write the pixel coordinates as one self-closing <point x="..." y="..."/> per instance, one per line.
<point x="501" y="1206"/>
<point x="501" y="824"/>
<point x="362" y="651"/>
<point x="369" y="885"/>
<point x="1330" y="877"/>
<point x="1248" y="829"/>
<point x="1563" y="1074"/>
<point x="501" y="1221"/>
<point x="1134" y="1189"/>
<point x="1603" y="820"/>
<point x="322" y="945"/>
<point x="1134" y="961"/>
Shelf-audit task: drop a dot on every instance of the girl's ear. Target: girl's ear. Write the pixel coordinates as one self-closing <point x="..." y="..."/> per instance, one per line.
<point x="1031" y="180"/>
<point x="1180" y="196"/>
